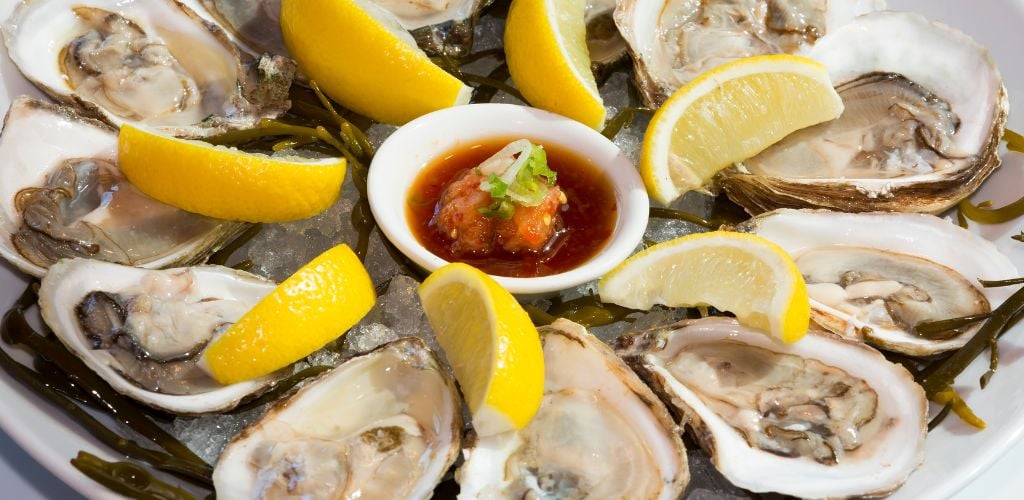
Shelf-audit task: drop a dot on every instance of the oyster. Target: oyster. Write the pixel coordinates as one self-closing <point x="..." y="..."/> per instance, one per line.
<point x="382" y="425"/>
<point x="63" y="196"/>
<point x="599" y="433"/>
<point x="439" y="27"/>
<point x="925" y="110"/>
<point x="255" y="23"/>
<point x="604" y="42"/>
<point x="674" y="41"/>
<point x="152" y="62"/>
<point x="875" y="276"/>
<point x="819" y="418"/>
<point x="144" y="331"/>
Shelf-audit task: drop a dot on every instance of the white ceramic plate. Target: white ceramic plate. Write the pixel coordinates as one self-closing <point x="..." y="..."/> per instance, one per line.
<point x="955" y="454"/>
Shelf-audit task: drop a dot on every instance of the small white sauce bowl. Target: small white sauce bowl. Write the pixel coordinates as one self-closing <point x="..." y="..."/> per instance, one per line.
<point x="420" y="142"/>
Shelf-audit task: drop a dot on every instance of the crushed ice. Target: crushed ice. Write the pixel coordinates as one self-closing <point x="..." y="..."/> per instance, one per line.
<point x="280" y="249"/>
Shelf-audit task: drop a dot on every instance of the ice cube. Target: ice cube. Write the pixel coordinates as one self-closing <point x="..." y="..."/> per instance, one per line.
<point x="207" y="435"/>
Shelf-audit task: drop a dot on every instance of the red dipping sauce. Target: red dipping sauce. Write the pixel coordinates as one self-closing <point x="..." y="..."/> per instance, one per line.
<point x="588" y="219"/>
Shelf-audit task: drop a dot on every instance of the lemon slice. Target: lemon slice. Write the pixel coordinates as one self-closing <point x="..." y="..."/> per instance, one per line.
<point x="546" y="49"/>
<point x="744" y="274"/>
<point x="314" y="306"/>
<point x="226" y="183"/>
<point x="491" y="344"/>
<point x="730" y="114"/>
<point x="361" y="57"/>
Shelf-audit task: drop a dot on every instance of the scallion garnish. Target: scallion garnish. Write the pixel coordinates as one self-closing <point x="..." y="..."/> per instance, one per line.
<point x="518" y="174"/>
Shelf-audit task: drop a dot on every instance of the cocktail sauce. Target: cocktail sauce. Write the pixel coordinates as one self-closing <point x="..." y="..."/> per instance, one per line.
<point x="588" y="219"/>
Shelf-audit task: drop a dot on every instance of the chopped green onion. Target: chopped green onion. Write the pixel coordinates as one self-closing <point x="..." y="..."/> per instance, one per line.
<point x="512" y="180"/>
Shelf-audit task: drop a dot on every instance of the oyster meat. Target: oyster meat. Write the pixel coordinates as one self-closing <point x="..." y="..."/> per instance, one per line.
<point x="599" y="433"/>
<point x="925" y="110"/>
<point x="876" y="276"/>
<point x="144" y="331"/>
<point x="819" y="418"/>
<point x="63" y="196"/>
<point x="382" y="425"/>
<point x="152" y="62"/>
<point x="674" y="41"/>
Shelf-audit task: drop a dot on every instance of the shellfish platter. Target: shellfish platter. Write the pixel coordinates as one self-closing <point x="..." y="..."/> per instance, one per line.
<point x="512" y="248"/>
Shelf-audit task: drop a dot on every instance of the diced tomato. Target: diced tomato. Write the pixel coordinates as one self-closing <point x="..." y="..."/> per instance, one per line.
<point x="531" y="228"/>
<point x="459" y="219"/>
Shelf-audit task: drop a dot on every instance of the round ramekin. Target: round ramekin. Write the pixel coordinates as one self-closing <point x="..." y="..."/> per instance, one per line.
<point x="414" y="146"/>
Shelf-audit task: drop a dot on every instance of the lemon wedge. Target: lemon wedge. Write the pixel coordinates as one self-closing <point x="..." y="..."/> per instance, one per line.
<point x="744" y="274"/>
<point x="491" y="344"/>
<point x="546" y="49"/>
<point x="314" y="306"/>
<point x="360" y="56"/>
<point x="226" y="183"/>
<point x="730" y="114"/>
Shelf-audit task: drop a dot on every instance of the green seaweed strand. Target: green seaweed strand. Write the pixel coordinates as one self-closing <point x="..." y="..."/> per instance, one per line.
<point x="938" y="379"/>
<point x="624" y="118"/>
<point x="127" y="478"/>
<point x="220" y="257"/>
<point x="15" y="329"/>
<point x="668" y="213"/>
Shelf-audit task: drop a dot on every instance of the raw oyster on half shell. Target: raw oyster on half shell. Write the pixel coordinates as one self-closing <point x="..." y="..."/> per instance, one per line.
<point x="382" y="425"/>
<point x="154" y="63"/>
<point x="144" y="331"/>
<point x="674" y="41"/>
<point x="823" y="417"/>
<point x="63" y="196"/>
<point x="599" y="433"/>
<point x="925" y="111"/>
<point x="875" y="276"/>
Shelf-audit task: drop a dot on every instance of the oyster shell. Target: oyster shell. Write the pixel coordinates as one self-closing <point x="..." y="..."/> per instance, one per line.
<point x="599" y="433"/>
<point x="439" y="27"/>
<point x="819" y="418"/>
<point x="255" y="23"/>
<point x="874" y="276"/>
<point x="673" y="41"/>
<point x="63" y="196"/>
<point x="143" y="331"/>
<point x="382" y="425"/>
<point x="152" y="62"/>
<point x="925" y="110"/>
<point x="604" y="42"/>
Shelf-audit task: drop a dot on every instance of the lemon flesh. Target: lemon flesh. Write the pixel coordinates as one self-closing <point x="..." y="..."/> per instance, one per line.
<point x="226" y="183"/>
<point x="491" y="343"/>
<point x="314" y="306"/>
<point x="361" y="57"/>
<point x="744" y="274"/>
<point x="546" y="49"/>
<point x="730" y="114"/>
